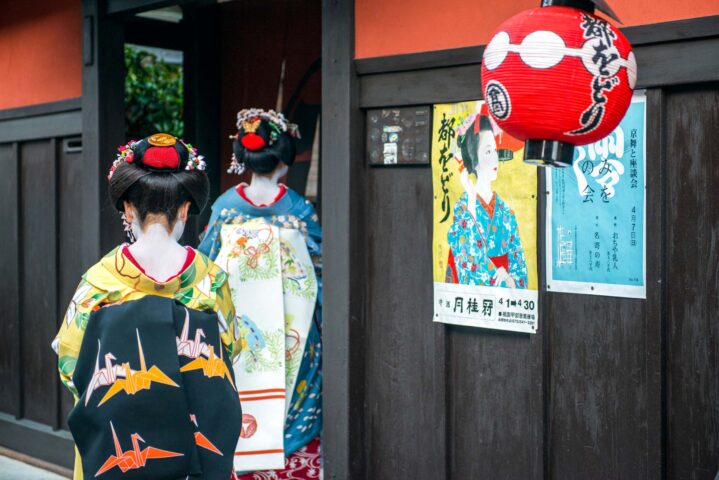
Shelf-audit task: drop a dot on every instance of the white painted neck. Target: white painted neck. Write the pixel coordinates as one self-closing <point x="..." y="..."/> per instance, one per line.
<point x="263" y="189"/>
<point x="157" y="250"/>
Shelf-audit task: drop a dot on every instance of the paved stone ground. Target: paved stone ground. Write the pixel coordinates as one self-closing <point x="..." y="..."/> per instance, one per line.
<point x="14" y="470"/>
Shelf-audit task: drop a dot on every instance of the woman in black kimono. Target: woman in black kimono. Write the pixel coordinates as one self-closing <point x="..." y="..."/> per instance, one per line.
<point x="147" y="341"/>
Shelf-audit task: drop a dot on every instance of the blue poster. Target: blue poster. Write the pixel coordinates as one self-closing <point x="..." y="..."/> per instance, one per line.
<point x="596" y="214"/>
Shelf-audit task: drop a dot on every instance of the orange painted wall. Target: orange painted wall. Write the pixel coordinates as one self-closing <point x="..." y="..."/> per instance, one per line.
<point x="40" y="51"/>
<point x="390" y="27"/>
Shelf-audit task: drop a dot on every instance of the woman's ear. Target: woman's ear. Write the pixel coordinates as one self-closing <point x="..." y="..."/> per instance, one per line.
<point x="183" y="212"/>
<point x="128" y="210"/>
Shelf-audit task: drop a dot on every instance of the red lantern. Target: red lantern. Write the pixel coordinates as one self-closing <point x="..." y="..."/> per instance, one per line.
<point x="557" y="77"/>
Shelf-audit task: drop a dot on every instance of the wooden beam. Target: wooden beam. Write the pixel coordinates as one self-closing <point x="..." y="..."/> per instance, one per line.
<point x="661" y="64"/>
<point x="681" y="30"/>
<point x="201" y="70"/>
<point x="692" y="28"/>
<point x="37" y="440"/>
<point x="41" y="109"/>
<point x="344" y="259"/>
<point x="421" y="87"/>
<point x="131" y="7"/>
<point x="420" y="61"/>
<point x="155" y="33"/>
<point x="103" y="127"/>
<point x="43" y="126"/>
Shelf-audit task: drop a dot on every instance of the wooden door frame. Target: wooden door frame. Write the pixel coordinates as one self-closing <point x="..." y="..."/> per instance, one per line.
<point x="342" y="178"/>
<point x="104" y="28"/>
<point x="344" y="265"/>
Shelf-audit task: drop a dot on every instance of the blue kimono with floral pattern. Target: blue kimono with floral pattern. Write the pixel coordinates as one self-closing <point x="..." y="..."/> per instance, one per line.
<point x="484" y="241"/>
<point x="304" y="419"/>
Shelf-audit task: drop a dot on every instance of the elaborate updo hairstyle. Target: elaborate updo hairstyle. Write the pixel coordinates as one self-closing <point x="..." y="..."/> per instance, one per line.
<point x="468" y="142"/>
<point x="263" y="139"/>
<point x="157" y="175"/>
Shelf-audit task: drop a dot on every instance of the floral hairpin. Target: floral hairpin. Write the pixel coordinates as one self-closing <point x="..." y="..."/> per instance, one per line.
<point x="194" y="161"/>
<point x="125" y="154"/>
<point x="276" y="119"/>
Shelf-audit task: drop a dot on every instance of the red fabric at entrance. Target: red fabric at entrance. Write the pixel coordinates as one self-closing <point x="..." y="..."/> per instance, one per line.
<point x="304" y="464"/>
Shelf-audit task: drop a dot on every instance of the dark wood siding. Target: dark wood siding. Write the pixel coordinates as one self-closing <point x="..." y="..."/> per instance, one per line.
<point x="69" y="228"/>
<point x="608" y="388"/>
<point x="10" y="281"/>
<point x="40" y="189"/>
<point x="405" y="350"/>
<point x="692" y="294"/>
<point x="38" y="284"/>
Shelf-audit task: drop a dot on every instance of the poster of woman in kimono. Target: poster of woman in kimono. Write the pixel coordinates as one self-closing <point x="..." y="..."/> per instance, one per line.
<point x="484" y="242"/>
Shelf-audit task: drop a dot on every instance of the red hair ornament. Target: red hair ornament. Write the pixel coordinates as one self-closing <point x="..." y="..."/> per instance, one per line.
<point x="252" y="141"/>
<point x="556" y="77"/>
<point x="161" y="158"/>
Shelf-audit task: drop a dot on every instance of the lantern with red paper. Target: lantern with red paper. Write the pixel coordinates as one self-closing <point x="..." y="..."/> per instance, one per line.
<point x="558" y="76"/>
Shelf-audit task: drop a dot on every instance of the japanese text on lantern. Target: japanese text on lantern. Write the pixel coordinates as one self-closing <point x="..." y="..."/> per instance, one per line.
<point x="446" y="135"/>
<point x="602" y="38"/>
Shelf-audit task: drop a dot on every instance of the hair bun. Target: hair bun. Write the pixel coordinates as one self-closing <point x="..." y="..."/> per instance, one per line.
<point x="160" y="152"/>
<point x="263" y="139"/>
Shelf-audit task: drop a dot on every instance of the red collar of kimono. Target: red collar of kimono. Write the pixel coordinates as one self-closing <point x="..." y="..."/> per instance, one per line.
<point x="123" y="269"/>
<point x="188" y="261"/>
<point x="489" y="208"/>
<point x="280" y="194"/>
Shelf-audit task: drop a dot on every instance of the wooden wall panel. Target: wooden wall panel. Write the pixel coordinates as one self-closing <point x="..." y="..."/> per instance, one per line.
<point x="38" y="295"/>
<point x="9" y="281"/>
<point x="344" y="247"/>
<point x="598" y="396"/>
<point x="41" y="263"/>
<point x="404" y="349"/>
<point x="71" y="268"/>
<point x="692" y="355"/>
<point x="495" y="414"/>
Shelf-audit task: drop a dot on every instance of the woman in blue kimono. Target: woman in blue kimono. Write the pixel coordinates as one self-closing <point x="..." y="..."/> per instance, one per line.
<point x="485" y="248"/>
<point x="264" y="145"/>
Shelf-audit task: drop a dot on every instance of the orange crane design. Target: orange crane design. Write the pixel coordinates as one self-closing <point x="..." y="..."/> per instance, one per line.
<point x="123" y="378"/>
<point x="212" y="366"/>
<point x="202" y="441"/>
<point x="135" y="458"/>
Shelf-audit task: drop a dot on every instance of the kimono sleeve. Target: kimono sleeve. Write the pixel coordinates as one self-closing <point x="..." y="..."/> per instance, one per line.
<point x="310" y="217"/>
<point x="226" y="310"/>
<point x="222" y="210"/>
<point x="72" y="330"/>
<point x="314" y="242"/>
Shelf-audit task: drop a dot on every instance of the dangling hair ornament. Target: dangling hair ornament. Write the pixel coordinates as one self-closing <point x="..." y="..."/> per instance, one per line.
<point x="235" y="166"/>
<point x="194" y="161"/>
<point x="125" y="154"/>
<point x="128" y="228"/>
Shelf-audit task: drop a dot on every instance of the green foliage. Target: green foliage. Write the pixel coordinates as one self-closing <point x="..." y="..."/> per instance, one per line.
<point x="153" y="94"/>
